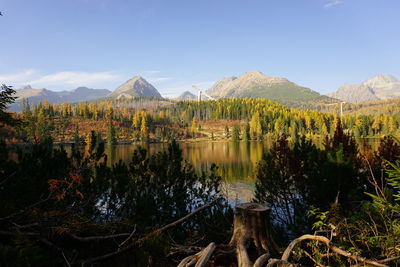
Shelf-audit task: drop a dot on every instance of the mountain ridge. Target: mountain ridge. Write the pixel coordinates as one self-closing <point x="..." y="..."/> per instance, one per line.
<point x="255" y="84"/>
<point x="378" y="87"/>
<point x="36" y="95"/>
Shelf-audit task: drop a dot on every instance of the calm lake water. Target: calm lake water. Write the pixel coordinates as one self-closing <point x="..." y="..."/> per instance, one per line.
<point x="236" y="161"/>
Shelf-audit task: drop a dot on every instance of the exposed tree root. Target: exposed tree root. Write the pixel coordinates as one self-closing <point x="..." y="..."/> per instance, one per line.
<point x="328" y="243"/>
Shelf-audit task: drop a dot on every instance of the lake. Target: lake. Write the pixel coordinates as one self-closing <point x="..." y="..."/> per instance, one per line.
<point x="236" y="160"/>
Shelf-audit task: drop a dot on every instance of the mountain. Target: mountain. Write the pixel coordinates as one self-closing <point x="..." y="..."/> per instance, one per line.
<point x="379" y="87"/>
<point x="83" y="94"/>
<point x="35" y="96"/>
<point x="257" y="85"/>
<point x="187" y="96"/>
<point x="135" y="87"/>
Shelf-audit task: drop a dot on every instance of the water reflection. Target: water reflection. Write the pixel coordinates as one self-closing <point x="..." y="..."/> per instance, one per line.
<point x="236" y="160"/>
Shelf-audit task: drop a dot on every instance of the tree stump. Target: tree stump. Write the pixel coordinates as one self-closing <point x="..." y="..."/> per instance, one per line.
<point x="251" y="239"/>
<point x="252" y="228"/>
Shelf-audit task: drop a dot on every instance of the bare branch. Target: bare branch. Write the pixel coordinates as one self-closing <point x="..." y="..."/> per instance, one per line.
<point x="96" y="238"/>
<point x="155" y="232"/>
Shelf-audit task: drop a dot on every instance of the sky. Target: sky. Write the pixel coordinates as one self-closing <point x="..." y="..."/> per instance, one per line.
<point x="320" y="44"/>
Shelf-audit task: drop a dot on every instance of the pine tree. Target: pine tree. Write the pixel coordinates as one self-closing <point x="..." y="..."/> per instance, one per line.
<point x="236" y="133"/>
<point x="42" y="129"/>
<point x="246" y="132"/>
<point x="194" y="127"/>
<point x="77" y="140"/>
<point x="111" y="136"/>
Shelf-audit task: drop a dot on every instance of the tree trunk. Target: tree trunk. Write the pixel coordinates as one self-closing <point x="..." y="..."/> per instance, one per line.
<point x="252" y="228"/>
<point x="251" y="239"/>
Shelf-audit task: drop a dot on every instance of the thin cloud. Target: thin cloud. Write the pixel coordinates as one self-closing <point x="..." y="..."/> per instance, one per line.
<point x="58" y="80"/>
<point x="76" y="78"/>
<point x="333" y="3"/>
<point x="19" y="77"/>
<point x="159" y="79"/>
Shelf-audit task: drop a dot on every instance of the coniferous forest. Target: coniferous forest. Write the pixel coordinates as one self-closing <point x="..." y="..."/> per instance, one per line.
<point x="333" y="204"/>
<point x="157" y="120"/>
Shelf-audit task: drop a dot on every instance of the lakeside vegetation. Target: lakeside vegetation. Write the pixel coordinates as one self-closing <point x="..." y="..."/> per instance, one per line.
<point x="74" y="209"/>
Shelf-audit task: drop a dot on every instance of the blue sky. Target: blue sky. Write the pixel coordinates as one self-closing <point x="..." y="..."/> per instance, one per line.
<point x="320" y="44"/>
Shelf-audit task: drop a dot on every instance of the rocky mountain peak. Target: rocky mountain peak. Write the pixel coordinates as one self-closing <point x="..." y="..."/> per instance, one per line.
<point x="379" y="87"/>
<point x="135" y="87"/>
<point x="380" y="80"/>
<point x="26" y="87"/>
<point x="258" y="76"/>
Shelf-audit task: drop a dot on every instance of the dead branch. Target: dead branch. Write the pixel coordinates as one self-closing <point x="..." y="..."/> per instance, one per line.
<point x="155" y="232"/>
<point x="335" y="249"/>
<point x="388" y="260"/>
<point x="18" y="232"/>
<point x="181" y="220"/>
<point x="129" y="237"/>
<point x="183" y="250"/>
<point x="96" y="238"/>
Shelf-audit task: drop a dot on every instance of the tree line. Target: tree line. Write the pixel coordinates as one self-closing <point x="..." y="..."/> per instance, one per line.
<point x="161" y="120"/>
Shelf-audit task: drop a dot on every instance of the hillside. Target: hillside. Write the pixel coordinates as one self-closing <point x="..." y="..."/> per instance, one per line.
<point x="379" y="87"/>
<point x="35" y="96"/>
<point x="255" y="84"/>
<point x="135" y="87"/>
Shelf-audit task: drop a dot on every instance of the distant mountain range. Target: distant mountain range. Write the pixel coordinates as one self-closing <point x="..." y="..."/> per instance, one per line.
<point x="187" y="96"/>
<point x="135" y="87"/>
<point x="35" y="96"/>
<point x="257" y="85"/>
<point x="252" y="84"/>
<point x="379" y="87"/>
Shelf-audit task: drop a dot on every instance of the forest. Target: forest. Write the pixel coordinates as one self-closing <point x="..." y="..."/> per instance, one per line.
<point x="335" y="205"/>
<point x="160" y="120"/>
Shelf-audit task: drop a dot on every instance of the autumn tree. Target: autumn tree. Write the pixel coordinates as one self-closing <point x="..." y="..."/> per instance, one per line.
<point x="255" y="127"/>
<point x="194" y="126"/>
<point x="236" y="133"/>
<point x="144" y="130"/>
